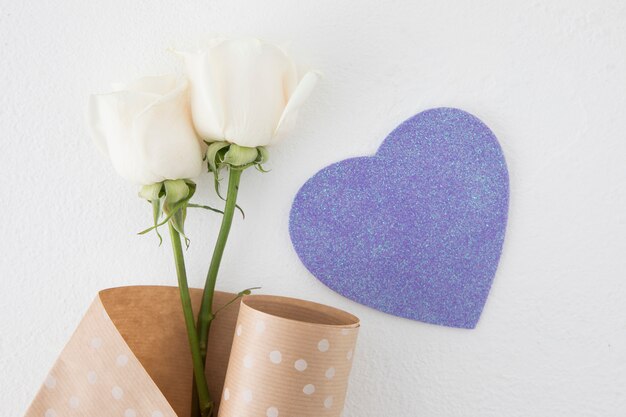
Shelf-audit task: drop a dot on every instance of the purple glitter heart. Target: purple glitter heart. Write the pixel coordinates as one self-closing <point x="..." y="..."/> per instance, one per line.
<point x="415" y="230"/>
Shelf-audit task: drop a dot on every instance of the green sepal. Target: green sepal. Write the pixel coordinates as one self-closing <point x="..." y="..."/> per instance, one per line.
<point x="205" y="208"/>
<point x="151" y="192"/>
<point x="260" y="168"/>
<point x="243" y="214"/>
<point x="178" y="221"/>
<point x="177" y="196"/>
<point x="219" y="194"/>
<point x="156" y="215"/>
<point x="165" y="220"/>
<point x="263" y="155"/>
<point x="154" y="193"/>
<point x="175" y="192"/>
<point x="216" y="184"/>
<point x="225" y="154"/>
<point x="214" y="156"/>
<point x="173" y="198"/>
<point x="240" y="156"/>
<point x="232" y="156"/>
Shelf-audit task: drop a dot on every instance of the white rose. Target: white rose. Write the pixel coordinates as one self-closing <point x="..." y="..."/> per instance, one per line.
<point x="146" y="130"/>
<point x="245" y="91"/>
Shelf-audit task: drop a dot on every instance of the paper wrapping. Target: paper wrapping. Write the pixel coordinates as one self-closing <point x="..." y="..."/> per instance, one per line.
<point x="289" y="358"/>
<point x="129" y="357"/>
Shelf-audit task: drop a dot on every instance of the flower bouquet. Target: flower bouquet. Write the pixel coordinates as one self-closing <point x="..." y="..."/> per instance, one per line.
<point x="176" y="351"/>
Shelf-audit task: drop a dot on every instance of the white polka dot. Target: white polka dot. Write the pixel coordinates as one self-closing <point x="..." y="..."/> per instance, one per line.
<point x="248" y="361"/>
<point x="323" y="345"/>
<point x="300" y="365"/>
<point x="309" y="389"/>
<point x="276" y="357"/>
<point x="328" y="402"/>
<point x="330" y="373"/>
<point x="121" y="360"/>
<point x="226" y="394"/>
<point x="260" y="326"/>
<point x="50" y="413"/>
<point x="129" y="412"/>
<point x="157" y="413"/>
<point x="117" y="392"/>
<point x="272" y="412"/>
<point x="74" y="402"/>
<point x="349" y="355"/>
<point x="92" y="377"/>
<point x="239" y="328"/>
<point x="50" y="382"/>
<point x="345" y="332"/>
<point x="247" y="395"/>
<point x="96" y="343"/>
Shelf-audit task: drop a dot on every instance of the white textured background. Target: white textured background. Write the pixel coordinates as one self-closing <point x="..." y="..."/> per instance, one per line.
<point x="549" y="77"/>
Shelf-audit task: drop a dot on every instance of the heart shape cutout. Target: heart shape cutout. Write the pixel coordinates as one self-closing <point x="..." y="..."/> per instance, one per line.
<point x="415" y="230"/>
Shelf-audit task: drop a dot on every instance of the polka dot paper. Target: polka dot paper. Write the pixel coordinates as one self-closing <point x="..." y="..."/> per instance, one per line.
<point x="129" y="357"/>
<point x="289" y="358"/>
<point x="97" y="375"/>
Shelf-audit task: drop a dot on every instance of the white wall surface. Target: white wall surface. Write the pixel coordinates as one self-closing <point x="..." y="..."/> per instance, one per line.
<point x="549" y="78"/>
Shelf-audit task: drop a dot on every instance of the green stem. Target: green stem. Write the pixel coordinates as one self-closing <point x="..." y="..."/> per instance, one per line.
<point x="206" y="308"/>
<point x="204" y="398"/>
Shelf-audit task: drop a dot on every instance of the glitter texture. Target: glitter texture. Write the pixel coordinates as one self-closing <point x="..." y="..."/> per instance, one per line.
<point x="416" y="230"/>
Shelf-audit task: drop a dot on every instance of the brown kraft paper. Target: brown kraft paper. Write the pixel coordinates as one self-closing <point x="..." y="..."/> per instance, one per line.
<point x="290" y="358"/>
<point x="129" y="357"/>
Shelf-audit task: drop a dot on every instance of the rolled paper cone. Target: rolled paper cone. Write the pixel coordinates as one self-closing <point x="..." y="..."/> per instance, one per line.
<point x="289" y="358"/>
<point x="129" y="357"/>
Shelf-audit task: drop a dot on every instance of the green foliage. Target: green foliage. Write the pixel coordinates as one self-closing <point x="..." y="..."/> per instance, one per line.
<point x="240" y="294"/>
<point x="170" y="198"/>
<point x="225" y="155"/>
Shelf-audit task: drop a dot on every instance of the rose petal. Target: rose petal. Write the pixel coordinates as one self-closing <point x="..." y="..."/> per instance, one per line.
<point x="167" y="143"/>
<point x="110" y="118"/>
<point x="204" y="72"/>
<point x="297" y="99"/>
